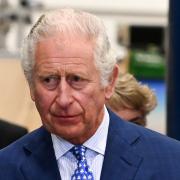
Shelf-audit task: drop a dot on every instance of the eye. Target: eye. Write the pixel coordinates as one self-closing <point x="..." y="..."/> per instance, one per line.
<point x="50" y="82"/>
<point x="76" y="78"/>
<point x="76" y="81"/>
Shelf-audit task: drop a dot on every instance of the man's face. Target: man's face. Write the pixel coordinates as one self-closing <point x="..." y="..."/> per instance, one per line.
<point x="67" y="90"/>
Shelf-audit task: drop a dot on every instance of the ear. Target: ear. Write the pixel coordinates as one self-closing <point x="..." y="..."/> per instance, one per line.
<point x="109" y="90"/>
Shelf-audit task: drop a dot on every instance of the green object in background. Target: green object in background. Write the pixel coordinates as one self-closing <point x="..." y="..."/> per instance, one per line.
<point x="147" y="64"/>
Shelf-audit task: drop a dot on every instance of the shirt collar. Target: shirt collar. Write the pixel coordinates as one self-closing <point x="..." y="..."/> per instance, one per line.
<point x="96" y="143"/>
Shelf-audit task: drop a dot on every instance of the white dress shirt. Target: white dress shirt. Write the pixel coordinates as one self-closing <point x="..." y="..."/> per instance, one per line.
<point x="96" y="146"/>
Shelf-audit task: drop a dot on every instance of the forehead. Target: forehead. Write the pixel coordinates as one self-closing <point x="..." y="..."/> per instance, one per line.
<point x="65" y="53"/>
<point x="129" y="113"/>
<point x="63" y="68"/>
<point x="64" y="46"/>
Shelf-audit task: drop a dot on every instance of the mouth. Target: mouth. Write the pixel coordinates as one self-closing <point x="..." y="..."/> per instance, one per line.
<point x="66" y="119"/>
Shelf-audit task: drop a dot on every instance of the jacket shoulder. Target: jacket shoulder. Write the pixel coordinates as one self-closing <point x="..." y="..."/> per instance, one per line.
<point x="15" y="151"/>
<point x="143" y="137"/>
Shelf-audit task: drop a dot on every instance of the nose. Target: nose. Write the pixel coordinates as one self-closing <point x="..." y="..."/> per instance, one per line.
<point x="64" y="97"/>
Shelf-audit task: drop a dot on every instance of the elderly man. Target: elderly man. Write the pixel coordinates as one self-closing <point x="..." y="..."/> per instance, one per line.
<point x="71" y="73"/>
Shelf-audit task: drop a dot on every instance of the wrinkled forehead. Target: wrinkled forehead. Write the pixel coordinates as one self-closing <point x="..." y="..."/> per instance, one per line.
<point x="59" y="66"/>
<point x="61" y="54"/>
<point x="60" y="45"/>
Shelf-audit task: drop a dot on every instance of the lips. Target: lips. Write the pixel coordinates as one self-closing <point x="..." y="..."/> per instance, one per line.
<point x="66" y="119"/>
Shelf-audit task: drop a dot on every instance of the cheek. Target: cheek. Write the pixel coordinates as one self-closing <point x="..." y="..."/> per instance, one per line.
<point x="90" y="99"/>
<point x="43" y="101"/>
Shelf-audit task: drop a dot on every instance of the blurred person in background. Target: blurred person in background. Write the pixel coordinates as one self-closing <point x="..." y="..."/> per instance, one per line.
<point x="131" y="100"/>
<point x="71" y="71"/>
<point x="10" y="132"/>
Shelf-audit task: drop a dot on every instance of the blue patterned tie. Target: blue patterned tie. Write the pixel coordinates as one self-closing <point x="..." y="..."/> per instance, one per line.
<point x="83" y="171"/>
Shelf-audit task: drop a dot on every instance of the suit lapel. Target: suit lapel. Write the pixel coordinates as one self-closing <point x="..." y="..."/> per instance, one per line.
<point x="120" y="161"/>
<point x="40" y="162"/>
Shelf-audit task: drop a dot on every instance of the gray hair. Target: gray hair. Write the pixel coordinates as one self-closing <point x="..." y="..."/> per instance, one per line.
<point x="70" y="21"/>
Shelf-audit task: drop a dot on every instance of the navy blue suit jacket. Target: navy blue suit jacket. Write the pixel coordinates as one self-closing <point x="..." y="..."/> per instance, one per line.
<point x="132" y="153"/>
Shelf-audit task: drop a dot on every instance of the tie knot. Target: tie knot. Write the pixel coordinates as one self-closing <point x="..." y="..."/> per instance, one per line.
<point x="79" y="152"/>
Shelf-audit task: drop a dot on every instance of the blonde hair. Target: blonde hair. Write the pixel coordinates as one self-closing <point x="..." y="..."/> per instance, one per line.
<point x="131" y="94"/>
